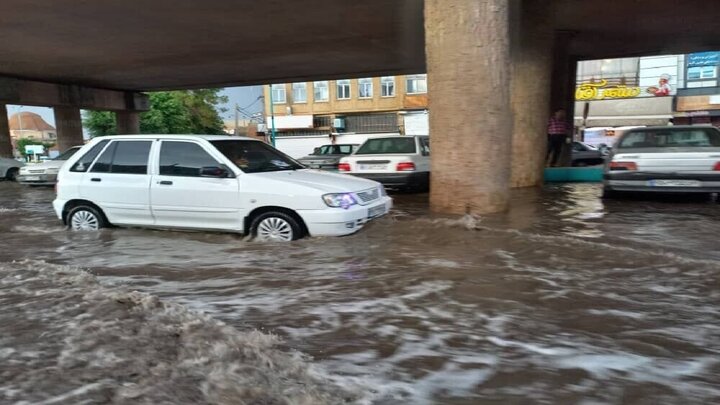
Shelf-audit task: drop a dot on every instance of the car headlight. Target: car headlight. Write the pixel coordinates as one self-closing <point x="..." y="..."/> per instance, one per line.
<point x="339" y="200"/>
<point x="383" y="192"/>
<point x="24" y="170"/>
<point x="54" y="170"/>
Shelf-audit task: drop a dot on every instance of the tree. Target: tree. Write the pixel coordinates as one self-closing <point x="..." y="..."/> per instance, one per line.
<point x="171" y="112"/>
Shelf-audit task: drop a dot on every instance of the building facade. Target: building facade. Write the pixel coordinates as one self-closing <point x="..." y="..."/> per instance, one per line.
<point x="309" y="114"/>
<point x="698" y="102"/>
<point x="28" y="125"/>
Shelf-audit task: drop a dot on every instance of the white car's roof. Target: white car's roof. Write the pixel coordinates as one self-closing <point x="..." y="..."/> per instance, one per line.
<point x="176" y="136"/>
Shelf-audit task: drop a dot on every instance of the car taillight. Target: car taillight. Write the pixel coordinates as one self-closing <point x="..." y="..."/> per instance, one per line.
<point x="717" y="167"/>
<point x="405" y="167"/>
<point x="623" y="166"/>
<point x="344" y="167"/>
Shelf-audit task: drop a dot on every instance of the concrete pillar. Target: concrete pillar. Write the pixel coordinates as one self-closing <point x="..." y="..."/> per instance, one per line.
<point x="563" y="83"/>
<point x="531" y="55"/>
<point x="69" y="127"/>
<point x="468" y="54"/>
<point x="5" y="140"/>
<point x="128" y="122"/>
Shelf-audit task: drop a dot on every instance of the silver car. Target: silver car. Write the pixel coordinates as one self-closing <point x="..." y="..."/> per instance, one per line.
<point x="327" y="157"/>
<point x="673" y="159"/>
<point x="9" y="168"/>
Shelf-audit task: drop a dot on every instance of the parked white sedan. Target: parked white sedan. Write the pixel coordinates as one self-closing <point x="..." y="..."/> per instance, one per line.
<point x="401" y="162"/>
<point x="676" y="159"/>
<point x="9" y="168"/>
<point x="210" y="182"/>
<point x="45" y="173"/>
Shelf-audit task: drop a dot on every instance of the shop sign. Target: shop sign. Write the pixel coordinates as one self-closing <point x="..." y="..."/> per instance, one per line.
<point x="601" y="91"/>
<point x="704" y="59"/>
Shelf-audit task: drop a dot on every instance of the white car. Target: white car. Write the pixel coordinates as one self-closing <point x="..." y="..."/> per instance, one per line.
<point x="45" y="173"/>
<point x="210" y="182"/>
<point x="673" y="159"/>
<point x="9" y="168"/>
<point x="395" y="161"/>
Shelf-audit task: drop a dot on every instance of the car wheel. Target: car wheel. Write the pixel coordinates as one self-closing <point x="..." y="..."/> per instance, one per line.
<point x="276" y="227"/>
<point x="85" y="218"/>
<point x="12" y="174"/>
<point x="610" y="194"/>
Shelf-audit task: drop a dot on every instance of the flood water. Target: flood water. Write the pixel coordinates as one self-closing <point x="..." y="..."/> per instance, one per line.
<point x="564" y="299"/>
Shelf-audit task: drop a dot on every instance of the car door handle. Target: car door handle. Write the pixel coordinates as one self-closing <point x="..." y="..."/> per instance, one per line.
<point x="165" y="183"/>
<point x="95" y="179"/>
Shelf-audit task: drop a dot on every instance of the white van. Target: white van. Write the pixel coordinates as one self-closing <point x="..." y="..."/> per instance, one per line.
<point x="210" y="182"/>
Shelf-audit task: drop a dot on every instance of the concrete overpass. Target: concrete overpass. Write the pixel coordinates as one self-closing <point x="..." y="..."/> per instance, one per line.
<point x="495" y="67"/>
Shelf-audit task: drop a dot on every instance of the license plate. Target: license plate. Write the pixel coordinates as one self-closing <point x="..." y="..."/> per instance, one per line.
<point x="379" y="166"/>
<point x="674" y="183"/>
<point x="314" y="166"/>
<point x="376" y="211"/>
<point x="32" y="178"/>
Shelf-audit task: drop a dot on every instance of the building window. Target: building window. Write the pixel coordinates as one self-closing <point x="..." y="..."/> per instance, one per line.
<point x="616" y="72"/>
<point x="702" y="72"/>
<point x="388" y="86"/>
<point x="278" y="93"/>
<point x="343" y="89"/>
<point x="321" y="91"/>
<point x="365" y="88"/>
<point x="299" y="92"/>
<point x="416" y="84"/>
<point x="367" y="123"/>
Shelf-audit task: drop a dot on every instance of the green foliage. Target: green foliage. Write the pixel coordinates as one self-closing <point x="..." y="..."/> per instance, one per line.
<point x="21" y="143"/>
<point x="171" y="112"/>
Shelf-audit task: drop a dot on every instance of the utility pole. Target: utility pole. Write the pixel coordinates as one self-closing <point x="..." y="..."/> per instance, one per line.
<point x="272" y="118"/>
<point x="237" y="111"/>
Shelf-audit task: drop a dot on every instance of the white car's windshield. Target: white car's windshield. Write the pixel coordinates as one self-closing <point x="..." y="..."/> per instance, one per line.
<point x="255" y="156"/>
<point x="379" y="146"/>
<point x="669" y="138"/>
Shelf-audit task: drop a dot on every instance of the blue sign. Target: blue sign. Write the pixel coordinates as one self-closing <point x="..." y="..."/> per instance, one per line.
<point x="704" y="59"/>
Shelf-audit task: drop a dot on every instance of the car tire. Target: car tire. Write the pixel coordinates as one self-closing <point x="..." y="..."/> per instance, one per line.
<point x="86" y="218"/>
<point x="12" y="174"/>
<point x="276" y="226"/>
<point x="610" y="194"/>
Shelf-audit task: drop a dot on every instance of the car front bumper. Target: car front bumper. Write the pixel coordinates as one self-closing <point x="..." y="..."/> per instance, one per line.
<point x="37" y="179"/>
<point x="691" y="182"/>
<point x="340" y="222"/>
<point x="402" y="179"/>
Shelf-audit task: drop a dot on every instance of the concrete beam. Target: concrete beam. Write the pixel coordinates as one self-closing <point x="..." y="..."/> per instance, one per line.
<point x="5" y="140"/>
<point x="28" y="92"/>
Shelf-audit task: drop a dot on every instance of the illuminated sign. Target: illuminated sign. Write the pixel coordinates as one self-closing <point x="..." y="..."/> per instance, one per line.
<point x="703" y="59"/>
<point x="601" y="91"/>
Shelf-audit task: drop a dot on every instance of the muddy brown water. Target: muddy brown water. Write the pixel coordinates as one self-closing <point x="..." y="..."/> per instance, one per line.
<point x="563" y="299"/>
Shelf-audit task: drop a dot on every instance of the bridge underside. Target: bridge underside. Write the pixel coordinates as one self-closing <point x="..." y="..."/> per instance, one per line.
<point x="525" y="50"/>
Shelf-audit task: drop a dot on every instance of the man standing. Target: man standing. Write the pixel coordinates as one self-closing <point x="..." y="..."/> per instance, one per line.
<point x="557" y="134"/>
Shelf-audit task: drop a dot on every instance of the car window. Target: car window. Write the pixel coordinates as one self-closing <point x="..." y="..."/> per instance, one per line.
<point x="662" y="138"/>
<point x="131" y="157"/>
<point x="86" y="160"/>
<point x="425" y="145"/>
<point x="102" y="164"/>
<point x="578" y="147"/>
<point x="124" y="157"/>
<point x="256" y="156"/>
<point x="184" y="159"/>
<point x="387" y="145"/>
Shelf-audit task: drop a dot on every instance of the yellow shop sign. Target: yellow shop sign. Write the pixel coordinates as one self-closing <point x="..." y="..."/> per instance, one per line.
<point x="598" y="91"/>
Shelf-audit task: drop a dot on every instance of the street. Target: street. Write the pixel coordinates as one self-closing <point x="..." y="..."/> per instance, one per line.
<point x="563" y="299"/>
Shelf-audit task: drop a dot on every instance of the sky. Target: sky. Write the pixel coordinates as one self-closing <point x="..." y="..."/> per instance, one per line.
<point x="247" y="98"/>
